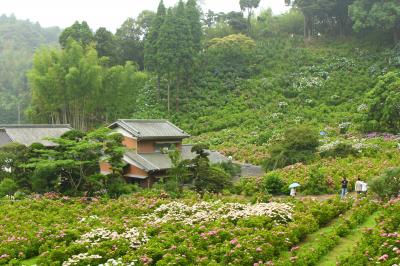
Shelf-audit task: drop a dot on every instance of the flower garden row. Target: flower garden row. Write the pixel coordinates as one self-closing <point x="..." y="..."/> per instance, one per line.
<point x="380" y="245"/>
<point x="149" y="230"/>
<point x="311" y="252"/>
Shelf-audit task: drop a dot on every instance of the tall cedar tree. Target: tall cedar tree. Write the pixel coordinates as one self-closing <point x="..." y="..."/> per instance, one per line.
<point x="151" y="59"/>
<point x="175" y="50"/>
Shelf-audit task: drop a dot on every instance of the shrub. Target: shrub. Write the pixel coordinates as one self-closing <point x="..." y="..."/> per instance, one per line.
<point x="337" y="149"/>
<point x="7" y="187"/>
<point x="272" y="183"/>
<point x="388" y="184"/>
<point x="316" y="183"/>
<point x="231" y="168"/>
<point x="299" y="145"/>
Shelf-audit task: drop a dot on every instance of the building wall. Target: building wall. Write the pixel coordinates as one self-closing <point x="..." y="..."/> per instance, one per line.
<point x="146" y="146"/>
<point x="105" y="168"/>
<point x="130" y="143"/>
<point x="133" y="170"/>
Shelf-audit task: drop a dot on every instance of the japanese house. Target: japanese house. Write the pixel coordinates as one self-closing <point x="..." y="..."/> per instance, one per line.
<point x="146" y="142"/>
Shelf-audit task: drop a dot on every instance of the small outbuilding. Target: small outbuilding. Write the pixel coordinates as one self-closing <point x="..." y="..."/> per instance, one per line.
<point x="29" y="134"/>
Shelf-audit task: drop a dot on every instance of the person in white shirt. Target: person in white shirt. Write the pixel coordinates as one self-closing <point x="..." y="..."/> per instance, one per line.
<point x="292" y="192"/>
<point x="364" y="187"/>
<point x="358" y="186"/>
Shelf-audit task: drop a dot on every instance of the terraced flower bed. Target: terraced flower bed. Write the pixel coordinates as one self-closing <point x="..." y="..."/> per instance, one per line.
<point x="154" y="229"/>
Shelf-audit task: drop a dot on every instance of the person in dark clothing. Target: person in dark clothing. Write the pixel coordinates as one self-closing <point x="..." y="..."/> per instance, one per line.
<point x="344" y="187"/>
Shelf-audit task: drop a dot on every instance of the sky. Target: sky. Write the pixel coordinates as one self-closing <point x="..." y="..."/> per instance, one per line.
<point x="106" y="13"/>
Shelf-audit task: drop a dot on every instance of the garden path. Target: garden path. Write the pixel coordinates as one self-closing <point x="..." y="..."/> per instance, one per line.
<point x="347" y="244"/>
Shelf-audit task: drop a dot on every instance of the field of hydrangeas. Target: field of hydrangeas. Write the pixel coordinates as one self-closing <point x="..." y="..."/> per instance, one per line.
<point x="149" y="228"/>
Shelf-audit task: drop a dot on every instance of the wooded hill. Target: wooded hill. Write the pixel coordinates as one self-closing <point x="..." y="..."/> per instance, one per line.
<point x="18" y="41"/>
<point x="235" y="80"/>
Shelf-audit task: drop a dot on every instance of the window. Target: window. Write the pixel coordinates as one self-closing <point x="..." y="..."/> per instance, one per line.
<point x="165" y="147"/>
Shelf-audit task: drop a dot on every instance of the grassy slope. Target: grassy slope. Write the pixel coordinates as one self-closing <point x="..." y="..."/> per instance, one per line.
<point x="322" y="83"/>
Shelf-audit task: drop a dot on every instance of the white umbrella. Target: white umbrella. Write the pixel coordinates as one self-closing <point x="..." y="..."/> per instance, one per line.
<point x="294" y="185"/>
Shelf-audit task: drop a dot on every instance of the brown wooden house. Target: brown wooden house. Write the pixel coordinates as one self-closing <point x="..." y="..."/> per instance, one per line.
<point x="146" y="142"/>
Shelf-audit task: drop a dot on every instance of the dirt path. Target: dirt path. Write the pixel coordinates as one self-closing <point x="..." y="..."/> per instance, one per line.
<point x="347" y="244"/>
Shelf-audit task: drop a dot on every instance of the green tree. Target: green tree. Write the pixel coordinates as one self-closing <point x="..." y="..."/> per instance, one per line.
<point x="7" y="187"/>
<point x="76" y="160"/>
<point x="12" y="157"/>
<point x="106" y="45"/>
<point x="129" y="38"/>
<point x="18" y="40"/>
<point x="249" y="5"/>
<point x="273" y="184"/>
<point x="175" y="50"/>
<point x="299" y="144"/>
<point x="378" y="15"/>
<point x="179" y="173"/>
<point x="74" y="86"/>
<point x="79" y="32"/>
<point x="387" y="185"/>
<point x="151" y="47"/>
<point x="384" y="110"/>
<point x="207" y="178"/>
<point x="231" y="56"/>
<point x="194" y="17"/>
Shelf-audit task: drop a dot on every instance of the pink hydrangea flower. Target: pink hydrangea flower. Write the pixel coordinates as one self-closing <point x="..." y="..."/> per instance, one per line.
<point x="383" y="257"/>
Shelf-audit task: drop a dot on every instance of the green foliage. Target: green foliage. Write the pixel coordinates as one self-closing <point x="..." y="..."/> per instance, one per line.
<point x="273" y="184"/>
<point x="7" y="187"/>
<point x="341" y="149"/>
<point x="377" y="15"/>
<point x="178" y="175"/>
<point x="231" y="56"/>
<point x="18" y="41"/>
<point x="316" y="183"/>
<point x="72" y="86"/>
<point x="75" y="163"/>
<point x="106" y="45"/>
<point x="79" y="32"/>
<point x="298" y="145"/>
<point x="207" y="178"/>
<point x="384" y="110"/>
<point x="230" y="168"/>
<point x="386" y="185"/>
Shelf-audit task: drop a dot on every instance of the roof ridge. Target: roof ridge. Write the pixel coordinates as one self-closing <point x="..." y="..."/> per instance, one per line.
<point x="5" y="126"/>
<point x="143" y="120"/>
<point x="123" y="122"/>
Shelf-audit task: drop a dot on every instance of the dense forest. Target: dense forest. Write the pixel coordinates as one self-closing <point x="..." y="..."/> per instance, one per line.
<point x="330" y="64"/>
<point x="18" y="41"/>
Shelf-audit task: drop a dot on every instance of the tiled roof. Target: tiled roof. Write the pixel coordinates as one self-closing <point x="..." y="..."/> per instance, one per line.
<point x="151" y="129"/>
<point x="161" y="161"/>
<point x="28" y="134"/>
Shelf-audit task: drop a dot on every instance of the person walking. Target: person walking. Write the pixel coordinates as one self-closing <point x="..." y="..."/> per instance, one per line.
<point x="293" y="192"/>
<point x="344" y="187"/>
<point x="358" y="186"/>
<point x="364" y="188"/>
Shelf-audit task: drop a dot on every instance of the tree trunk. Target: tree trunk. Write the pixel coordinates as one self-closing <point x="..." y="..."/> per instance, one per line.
<point x="168" y="96"/>
<point x="177" y="96"/>
<point x="19" y="113"/>
<point x="158" y="87"/>
<point x="396" y="34"/>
